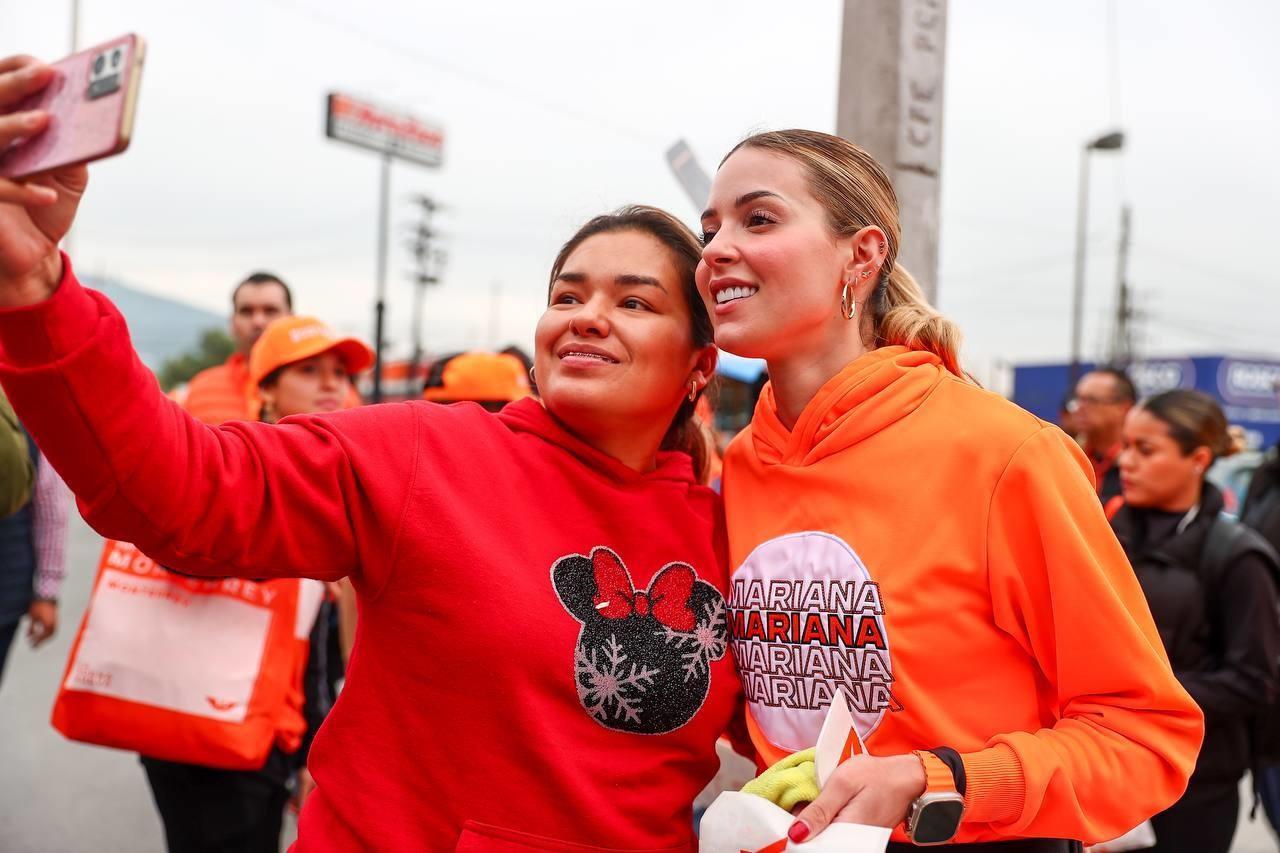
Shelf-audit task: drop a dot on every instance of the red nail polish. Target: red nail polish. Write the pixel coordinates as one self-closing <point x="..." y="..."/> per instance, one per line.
<point x="798" y="832"/>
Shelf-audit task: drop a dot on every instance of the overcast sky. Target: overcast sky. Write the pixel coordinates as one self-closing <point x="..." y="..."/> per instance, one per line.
<point x="555" y="111"/>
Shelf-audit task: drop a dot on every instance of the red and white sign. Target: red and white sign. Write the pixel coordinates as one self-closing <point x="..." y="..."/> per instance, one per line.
<point x="380" y="129"/>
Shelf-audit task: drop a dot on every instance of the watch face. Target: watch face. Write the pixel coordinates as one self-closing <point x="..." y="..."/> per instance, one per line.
<point x="938" y="821"/>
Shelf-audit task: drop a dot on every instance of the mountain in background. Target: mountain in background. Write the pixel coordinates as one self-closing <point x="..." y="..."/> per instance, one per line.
<point x="161" y="327"/>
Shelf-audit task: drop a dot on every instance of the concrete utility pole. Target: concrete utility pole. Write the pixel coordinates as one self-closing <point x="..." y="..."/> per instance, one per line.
<point x="890" y="103"/>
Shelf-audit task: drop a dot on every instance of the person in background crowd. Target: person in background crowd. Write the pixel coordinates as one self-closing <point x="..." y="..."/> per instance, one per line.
<point x="1067" y="416"/>
<point x="1214" y="605"/>
<point x="542" y="656"/>
<point x="1261" y="511"/>
<point x="16" y="472"/>
<point x="1009" y="668"/>
<point x="225" y="392"/>
<point x="298" y="366"/>
<point x="491" y="379"/>
<point x="326" y="365"/>
<point x="33" y="559"/>
<point x="1103" y="397"/>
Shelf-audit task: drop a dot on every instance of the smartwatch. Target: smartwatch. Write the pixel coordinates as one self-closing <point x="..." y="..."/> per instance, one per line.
<point x="934" y="818"/>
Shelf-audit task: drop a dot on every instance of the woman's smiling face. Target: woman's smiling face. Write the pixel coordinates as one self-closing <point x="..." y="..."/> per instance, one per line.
<point x="771" y="268"/>
<point x="615" y="346"/>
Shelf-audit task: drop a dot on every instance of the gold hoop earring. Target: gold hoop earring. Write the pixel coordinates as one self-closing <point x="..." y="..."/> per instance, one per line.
<point x="532" y="381"/>
<point x="693" y="390"/>
<point x="848" y="305"/>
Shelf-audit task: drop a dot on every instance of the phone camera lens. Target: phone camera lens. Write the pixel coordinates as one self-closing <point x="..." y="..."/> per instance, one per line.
<point x="115" y="58"/>
<point x="98" y="63"/>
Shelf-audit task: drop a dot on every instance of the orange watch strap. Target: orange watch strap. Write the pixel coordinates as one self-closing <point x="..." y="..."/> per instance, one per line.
<point x="937" y="775"/>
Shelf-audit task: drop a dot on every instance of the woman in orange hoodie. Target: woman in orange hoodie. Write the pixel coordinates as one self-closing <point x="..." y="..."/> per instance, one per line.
<point x="933" y="550"/>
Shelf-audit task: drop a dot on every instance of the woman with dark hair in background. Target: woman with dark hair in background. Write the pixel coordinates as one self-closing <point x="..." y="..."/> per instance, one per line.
<point x="541" y="654"/>
<point x="1210" y="584"/>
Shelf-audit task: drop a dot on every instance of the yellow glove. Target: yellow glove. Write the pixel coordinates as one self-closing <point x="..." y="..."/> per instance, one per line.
<point x="791" y="781"/>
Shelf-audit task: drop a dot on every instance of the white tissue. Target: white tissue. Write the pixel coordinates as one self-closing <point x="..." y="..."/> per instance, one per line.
<point x="736" y="822"/>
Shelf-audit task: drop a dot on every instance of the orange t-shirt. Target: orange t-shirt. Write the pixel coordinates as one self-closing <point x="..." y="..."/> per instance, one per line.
<point x="941" y="555"/>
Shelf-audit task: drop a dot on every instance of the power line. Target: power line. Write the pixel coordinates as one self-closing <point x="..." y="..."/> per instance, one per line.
<point x="518" y="93"/>
<point x="1220" y="334"/>
<point x="1215" y="272"/>
<point x="1113" y="85"/>
<point x="1113" y="59"/>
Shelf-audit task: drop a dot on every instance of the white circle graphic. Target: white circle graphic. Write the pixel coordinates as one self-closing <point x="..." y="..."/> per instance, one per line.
<point x="807" y="618"/>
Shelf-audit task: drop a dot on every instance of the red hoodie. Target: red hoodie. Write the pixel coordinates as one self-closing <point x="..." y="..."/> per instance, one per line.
<point x="540" y="656"/>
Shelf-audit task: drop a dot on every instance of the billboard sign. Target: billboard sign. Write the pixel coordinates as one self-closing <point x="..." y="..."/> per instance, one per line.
<point x="384" y="130"/>
<point x="1152" y="377"/>
<point x="1246" y="388"/>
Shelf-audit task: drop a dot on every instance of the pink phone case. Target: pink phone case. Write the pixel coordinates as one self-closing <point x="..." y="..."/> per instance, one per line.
<point x="91" y="103"/>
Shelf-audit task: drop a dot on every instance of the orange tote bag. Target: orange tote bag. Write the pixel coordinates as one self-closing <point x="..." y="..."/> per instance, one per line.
<point x="201" y="671"/>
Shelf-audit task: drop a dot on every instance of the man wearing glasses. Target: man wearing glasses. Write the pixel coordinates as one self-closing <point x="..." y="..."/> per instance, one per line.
<point x="1103" y="398"/>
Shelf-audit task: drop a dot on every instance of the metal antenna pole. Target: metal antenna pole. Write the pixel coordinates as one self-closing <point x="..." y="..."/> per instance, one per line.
<point x="380" y="309"/>
<point x="423" y="277"/>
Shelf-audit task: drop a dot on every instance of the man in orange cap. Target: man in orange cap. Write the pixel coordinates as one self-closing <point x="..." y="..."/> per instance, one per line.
<point x="490" y="379"/>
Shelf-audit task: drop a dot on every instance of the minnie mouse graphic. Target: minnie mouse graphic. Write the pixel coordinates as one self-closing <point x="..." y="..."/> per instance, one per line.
<point x="642" y="663"/>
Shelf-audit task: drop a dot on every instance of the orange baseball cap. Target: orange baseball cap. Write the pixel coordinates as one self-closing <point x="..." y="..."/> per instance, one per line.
<point x="292" y="339"/>
<point x="480" y="376"/>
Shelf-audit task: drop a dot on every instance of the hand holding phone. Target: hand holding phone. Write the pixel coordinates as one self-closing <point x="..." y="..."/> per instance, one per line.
<point x="53" y="120"/>
<point x="34" y="213"/>
<point x="90" y="100"/>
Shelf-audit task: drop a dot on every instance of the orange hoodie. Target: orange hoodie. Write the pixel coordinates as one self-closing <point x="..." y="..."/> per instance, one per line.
<point x="941" y="554"/>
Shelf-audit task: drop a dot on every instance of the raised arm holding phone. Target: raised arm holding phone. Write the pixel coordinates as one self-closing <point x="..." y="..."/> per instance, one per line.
<point x="541" y="661"/>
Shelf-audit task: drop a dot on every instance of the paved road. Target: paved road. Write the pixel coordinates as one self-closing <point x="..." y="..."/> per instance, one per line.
<point x="58" y="797"/>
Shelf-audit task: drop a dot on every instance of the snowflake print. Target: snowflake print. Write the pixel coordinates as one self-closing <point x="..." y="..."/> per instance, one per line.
<point x="631" y="675"/>
<point x="606" y="682"/>
<point x="704" y="644"/>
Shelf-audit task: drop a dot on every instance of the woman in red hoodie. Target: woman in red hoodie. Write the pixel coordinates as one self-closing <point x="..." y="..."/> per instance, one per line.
<point x="541" y="657"/>
<point x="937" y="553"/>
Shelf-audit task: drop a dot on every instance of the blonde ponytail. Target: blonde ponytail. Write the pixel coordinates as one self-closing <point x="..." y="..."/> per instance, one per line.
<point x="902" y="316"/>
<point x="856" y="192"/>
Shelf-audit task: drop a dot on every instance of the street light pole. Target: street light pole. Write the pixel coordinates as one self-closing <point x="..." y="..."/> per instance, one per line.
<point x="1077" y="289"/>
<point x="1113" y="141"/>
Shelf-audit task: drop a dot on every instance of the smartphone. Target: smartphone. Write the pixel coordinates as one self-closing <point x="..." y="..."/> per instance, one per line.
<point x="91" y="103"/>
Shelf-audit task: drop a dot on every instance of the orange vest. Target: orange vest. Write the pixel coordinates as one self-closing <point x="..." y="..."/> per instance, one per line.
<point x="223" y="393"/>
